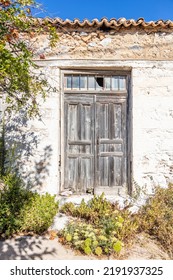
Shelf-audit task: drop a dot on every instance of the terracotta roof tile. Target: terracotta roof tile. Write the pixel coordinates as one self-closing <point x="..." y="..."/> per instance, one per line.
<point x="112" y="23"/>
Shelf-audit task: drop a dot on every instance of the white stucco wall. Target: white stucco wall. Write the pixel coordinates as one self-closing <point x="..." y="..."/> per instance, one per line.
<point x="152" y="124"/>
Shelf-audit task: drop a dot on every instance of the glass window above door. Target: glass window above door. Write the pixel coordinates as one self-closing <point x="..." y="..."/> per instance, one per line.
<point x="94" y="83"/>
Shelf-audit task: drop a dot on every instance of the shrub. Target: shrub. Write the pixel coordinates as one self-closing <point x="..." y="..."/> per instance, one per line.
<point x="101" y="212"/>
<point x="104" y="229"/>
<point x="93" y="210"/>
<point x="23" y="210"/>
<point x="89" y="239"/>
<point x="156" y="217"/>
<point x="38" y="213"/>
<point x="12" y="199"/>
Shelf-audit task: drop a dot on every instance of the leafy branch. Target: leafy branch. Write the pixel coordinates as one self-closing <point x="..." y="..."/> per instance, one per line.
<point x="20" y="83"/>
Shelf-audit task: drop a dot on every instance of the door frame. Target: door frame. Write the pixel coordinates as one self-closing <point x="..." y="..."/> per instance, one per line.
<point x="129" y="140"/>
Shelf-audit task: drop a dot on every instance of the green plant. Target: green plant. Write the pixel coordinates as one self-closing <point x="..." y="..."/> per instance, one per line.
<point x="2" y="147"/>
<point x="100" y="205"/>
<point x="103" y="229"/>
<point x="93" y="210"/>
<point x="138" y="190"/>
<point x="23" y="210"/>
<point x="68" y="208"/>
<point x="20" y="82"/>
<point x="90" y="239"/>
<point x="103" y="214"/>
<point x="156" y="217"/>
<point x="38" y="213"/>
<point x="12" y="198"/>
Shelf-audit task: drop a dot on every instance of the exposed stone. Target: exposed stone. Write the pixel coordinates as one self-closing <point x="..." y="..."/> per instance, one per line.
<point x="60" y="221"/>
<point x="66" y="193"/>
<point x="100" y="36"/>
<point x="64" y="49"/>
<point x="83" y="33"/>
<point x="135" y="47"/>
<point x="92" y="44"/>
<point x="140" y="44"/>
<point x="105" y="42"/>
<point x="76" y="199"/>
<point x="86" y="38"/>
<point x="77" y="37"/>
<point x="83" y="44"/>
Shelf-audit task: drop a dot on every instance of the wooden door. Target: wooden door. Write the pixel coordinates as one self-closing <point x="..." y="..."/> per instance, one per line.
<point x="95" y="143"/>
<point x="79" y="143"/>
<point x="111" y="144"/>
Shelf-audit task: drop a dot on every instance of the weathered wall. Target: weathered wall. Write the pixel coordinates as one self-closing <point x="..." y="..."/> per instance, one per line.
<point x="149" y="58"/>
<point x="125" y="44"/>
<point x="153" y="124"/>
<point x="36" y="141"/>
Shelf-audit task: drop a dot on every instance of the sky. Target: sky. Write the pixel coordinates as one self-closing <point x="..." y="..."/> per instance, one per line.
<point x="90" y="9"/>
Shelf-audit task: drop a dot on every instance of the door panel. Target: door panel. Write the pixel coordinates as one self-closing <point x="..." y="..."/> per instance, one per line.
<point x="79" y="143"/>
<point x="111" y="143"/>
<point x="71" y="172"/>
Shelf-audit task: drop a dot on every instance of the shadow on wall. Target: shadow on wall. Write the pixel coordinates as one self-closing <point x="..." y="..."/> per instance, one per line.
<point x="22" y="154"/>
<point x="26" y="248"/>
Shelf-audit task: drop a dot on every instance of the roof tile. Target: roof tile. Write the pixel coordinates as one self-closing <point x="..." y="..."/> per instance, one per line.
<point x="112" y="23"/>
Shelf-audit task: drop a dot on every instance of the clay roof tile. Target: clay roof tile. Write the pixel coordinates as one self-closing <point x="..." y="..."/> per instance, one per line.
<point x="112" y="23"/>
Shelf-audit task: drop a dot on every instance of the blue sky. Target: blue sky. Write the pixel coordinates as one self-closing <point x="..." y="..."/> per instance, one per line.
<point x="148" y="9"/>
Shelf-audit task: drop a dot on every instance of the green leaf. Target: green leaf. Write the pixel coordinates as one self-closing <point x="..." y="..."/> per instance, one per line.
<point x="117" y="246"/>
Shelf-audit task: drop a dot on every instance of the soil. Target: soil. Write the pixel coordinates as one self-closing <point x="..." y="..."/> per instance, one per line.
<point x="145" y="248"/>
<point x="48" y="248"/>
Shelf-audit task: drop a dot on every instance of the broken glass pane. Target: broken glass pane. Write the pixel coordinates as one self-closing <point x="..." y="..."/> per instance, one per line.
<point x="99" y="83"/>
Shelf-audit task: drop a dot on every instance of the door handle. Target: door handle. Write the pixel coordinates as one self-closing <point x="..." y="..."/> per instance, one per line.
<point x="97" y="141"/>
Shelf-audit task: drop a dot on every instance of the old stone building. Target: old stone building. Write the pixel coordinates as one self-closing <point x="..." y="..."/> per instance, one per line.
<point x="108" y="123"/>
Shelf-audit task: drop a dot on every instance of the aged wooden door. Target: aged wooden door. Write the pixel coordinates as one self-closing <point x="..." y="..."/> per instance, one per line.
<point x="111" y="144"/>
<point x="79" y="143"/>
<point x="95" y="141"/>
